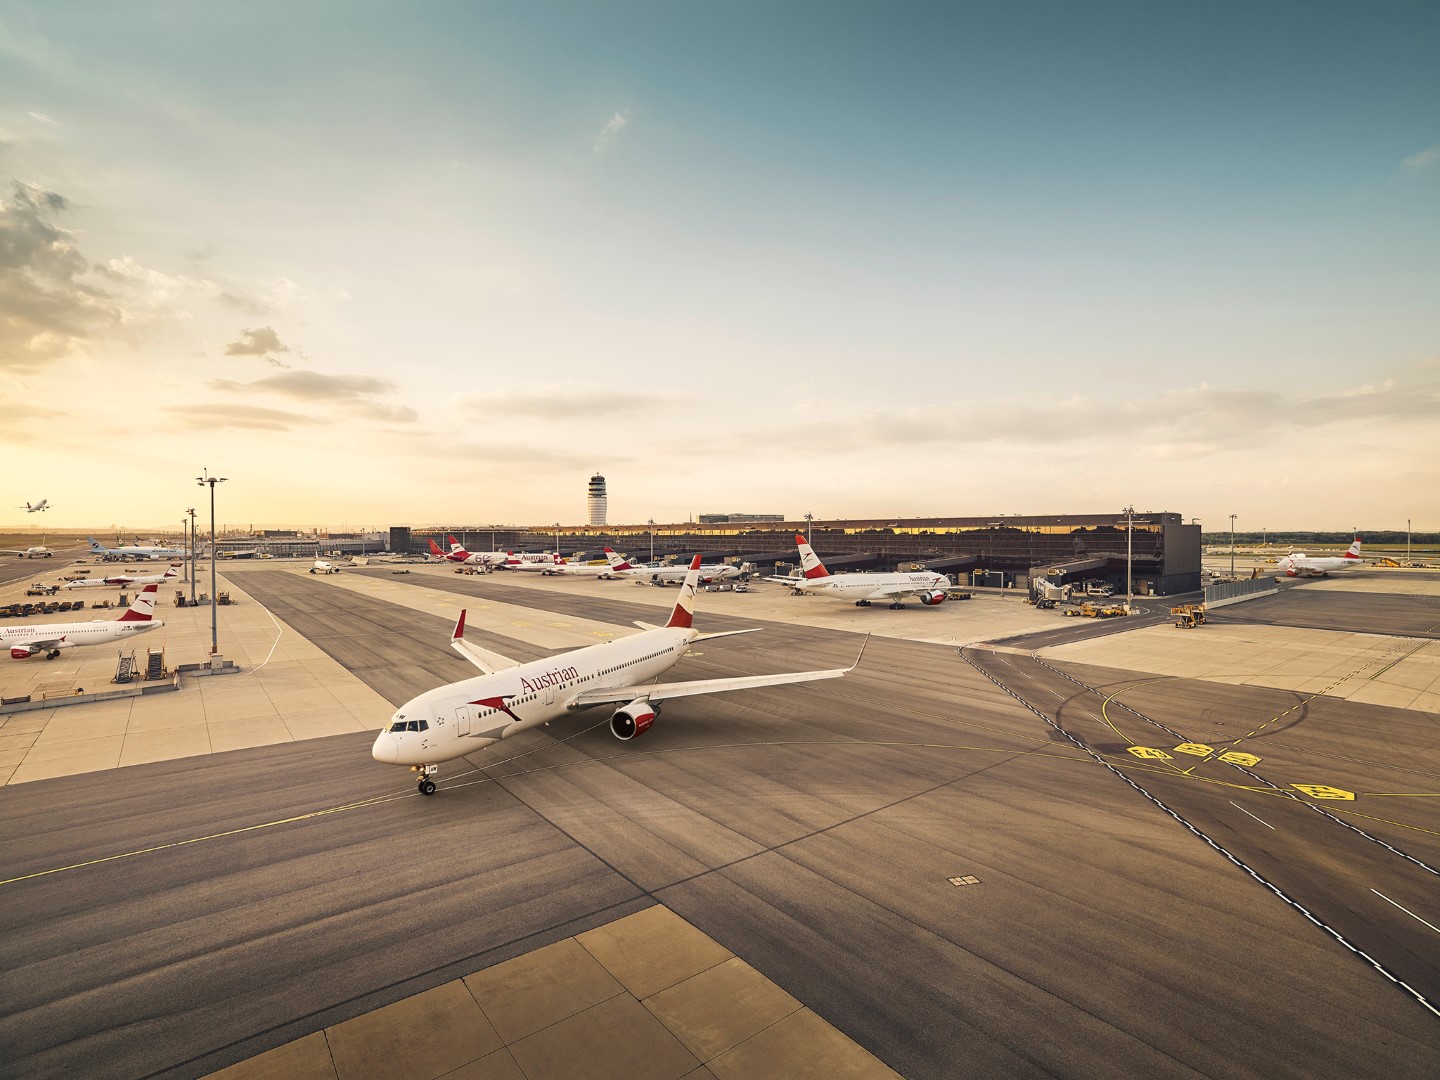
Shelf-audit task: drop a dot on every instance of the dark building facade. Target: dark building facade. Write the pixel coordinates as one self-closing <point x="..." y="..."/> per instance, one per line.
<point x="1165" y="552"/>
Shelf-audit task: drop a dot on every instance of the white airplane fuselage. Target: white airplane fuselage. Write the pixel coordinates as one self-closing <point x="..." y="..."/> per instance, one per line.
<point x="474" y="713"/>
<point x="69" y="635"/>
<point x="872" y="587"/>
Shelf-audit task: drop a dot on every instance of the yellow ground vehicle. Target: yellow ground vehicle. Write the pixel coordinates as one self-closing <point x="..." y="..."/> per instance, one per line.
<point x="1189" y="616"/>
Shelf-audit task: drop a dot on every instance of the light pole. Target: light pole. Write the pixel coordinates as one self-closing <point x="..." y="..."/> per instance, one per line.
<point x="194" y="555"/>
<point x="1129" y="555"/>
<point x="557" y="539"/>
<point x="808" y="519"/>
<point x="1407" y="540"/>
<point x="650" y="525"/>
<point x="211" y="481"/>
<point x="1232" y="544"/>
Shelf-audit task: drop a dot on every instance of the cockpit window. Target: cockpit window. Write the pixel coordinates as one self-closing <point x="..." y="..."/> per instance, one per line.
<point x="399" y="725"/>
<point x="414" y="725"/>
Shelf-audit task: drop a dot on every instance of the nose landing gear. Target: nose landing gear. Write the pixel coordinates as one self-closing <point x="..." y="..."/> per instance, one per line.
<point x="426" y="786"/>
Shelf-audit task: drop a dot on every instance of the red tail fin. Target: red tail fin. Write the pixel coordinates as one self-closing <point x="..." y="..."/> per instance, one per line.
<point x="144" y="607"/>
<point x="684" y="613"/>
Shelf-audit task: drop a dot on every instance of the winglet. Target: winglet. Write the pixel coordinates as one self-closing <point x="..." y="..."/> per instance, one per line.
<point x="856" y="664"/>
<point x="459" y="633"/>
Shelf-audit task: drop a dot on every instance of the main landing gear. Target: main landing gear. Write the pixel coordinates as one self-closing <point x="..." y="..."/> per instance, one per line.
<point x="52" y="654"/>
<point x="426" y="786"/>
<point x="862" y="603"/>
<point x="897" y="606"/>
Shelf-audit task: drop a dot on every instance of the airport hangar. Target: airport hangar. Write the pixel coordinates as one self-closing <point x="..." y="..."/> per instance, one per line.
<point x="1165" y="551"/>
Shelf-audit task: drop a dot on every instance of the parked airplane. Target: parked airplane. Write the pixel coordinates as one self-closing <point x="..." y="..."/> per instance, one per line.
<point x="134" y="551"/>
<point x="659" y="572"/>
<point x="50" y="638"/>
<point x="509" y="697"/>
<point x="43" y="504"/>
<point x="40" y="551"/>
<point x="539" y="564"/>
<point x="458" y="554"/>
<point x="613" y="568"/>
<point x="927" y="585"/>
<point x="323" y="567"/>
<point x="1298" y="564"/>
<point x="125" y="579"/>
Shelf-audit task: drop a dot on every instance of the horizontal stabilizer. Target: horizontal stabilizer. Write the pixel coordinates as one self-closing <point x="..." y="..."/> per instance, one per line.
<point x="726" y="633"/>
<point x="487" y="661"/>
<point x="646" y="625"/>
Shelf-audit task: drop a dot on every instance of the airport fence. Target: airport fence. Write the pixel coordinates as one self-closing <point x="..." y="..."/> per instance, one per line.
<point x="1234" y="592"/>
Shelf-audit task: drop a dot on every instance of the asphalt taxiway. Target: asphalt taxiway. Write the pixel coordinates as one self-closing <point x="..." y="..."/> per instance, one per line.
<point x="955" y="858"/>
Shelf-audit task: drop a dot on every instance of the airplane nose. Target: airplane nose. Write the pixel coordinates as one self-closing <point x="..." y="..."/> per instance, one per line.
<point x="386" y="749"/>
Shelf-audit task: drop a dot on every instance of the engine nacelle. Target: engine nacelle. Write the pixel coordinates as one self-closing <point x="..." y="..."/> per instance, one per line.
<point x="936" y="596"/>
<point x="634" y="719"/>
<point x="20" y="652"/>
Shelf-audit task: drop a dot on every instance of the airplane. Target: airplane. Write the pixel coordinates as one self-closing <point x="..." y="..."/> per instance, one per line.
<point x="323" y="567"/>
<point x="538" y="564"/>
<point x="927" y="585"/>
<point x="43" y="504"/>
<point x="134" y="551"/>
<point x="1298" y="564"/>
<point x="709" y="572"/>
<point x="458" y="554"/>
<point x="613" y="568"/>
<point x="125" y="579"/>
<point x="50" y="638"/>
<point x="510" y="697"/>
<point x="39" y="551"/>
<point x="525" y="559"/>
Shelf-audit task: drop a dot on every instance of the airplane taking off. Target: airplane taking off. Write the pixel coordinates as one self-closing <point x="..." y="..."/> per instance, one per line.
<point x="323" y="567"/>
<point x="709" y="572"/>
<point x="134" y="551"/>
<point x="462" y="717"/>
<point x="43" y="504"/>
<point x="40" y="551"/>
<point x="50" y="638"/>
<point x="864" y="588"/>
<point x="125" y="579"/>
<point x="1298" y="564"/>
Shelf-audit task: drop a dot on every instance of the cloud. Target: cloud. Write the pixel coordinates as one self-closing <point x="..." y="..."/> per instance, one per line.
<point x="264" y="342"/>
<point x="51" y="308"/>
<point x="1422" y="160"/>
<point x="40" y="116"/>
<point x="1184" y="424"/>
<point x="238" y="417"/>
<point x="354" y="392"/>
<point x="566" y="402"/>
<point x="610" y="132"/>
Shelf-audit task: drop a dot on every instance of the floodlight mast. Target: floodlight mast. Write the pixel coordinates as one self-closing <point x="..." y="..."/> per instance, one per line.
<point x="202" y="481"/>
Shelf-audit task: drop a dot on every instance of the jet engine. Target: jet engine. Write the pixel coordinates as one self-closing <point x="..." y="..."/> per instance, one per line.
<point x="20" y="652"/>
<point x="634" y="719"/>
<point x="936" y="596"/>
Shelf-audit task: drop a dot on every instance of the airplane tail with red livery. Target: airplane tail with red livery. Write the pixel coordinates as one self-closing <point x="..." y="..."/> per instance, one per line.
<point x="1354" y="552"/>
<point x="618" y="561"/>
<point x="143" y="609"/>
<point x="810" y="563"/>
<point x="684" y="614"/>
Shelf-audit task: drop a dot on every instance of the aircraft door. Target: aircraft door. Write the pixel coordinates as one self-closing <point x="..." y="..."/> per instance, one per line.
<point x="462" y="720"/>
<point x="550" y="695"/>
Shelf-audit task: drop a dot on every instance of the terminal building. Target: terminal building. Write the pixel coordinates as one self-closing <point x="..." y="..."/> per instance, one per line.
<point x="1163" y="551"/>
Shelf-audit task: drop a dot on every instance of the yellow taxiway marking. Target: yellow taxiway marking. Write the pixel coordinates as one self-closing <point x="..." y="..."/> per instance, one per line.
<point x="1105" y="710"/>
<point x="1325" y="791"/>
<point x="1037" y="753"/>
<point x="1148" y="752"/>
<point x="1198" y="749"/>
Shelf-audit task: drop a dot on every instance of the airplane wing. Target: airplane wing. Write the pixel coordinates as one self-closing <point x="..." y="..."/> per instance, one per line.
<point x="11" y="551"/>
<point x="665" y="691"/>
<point x="487" y="661"/>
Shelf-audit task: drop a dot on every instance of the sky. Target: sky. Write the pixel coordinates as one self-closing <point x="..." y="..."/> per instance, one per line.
<point x="390" y="263"/>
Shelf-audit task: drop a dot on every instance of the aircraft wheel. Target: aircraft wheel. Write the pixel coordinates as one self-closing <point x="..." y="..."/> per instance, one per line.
<point x="427" y="787"/>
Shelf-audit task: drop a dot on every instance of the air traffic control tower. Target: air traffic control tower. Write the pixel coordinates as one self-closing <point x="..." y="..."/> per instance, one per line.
<point x="595" y="501"/>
